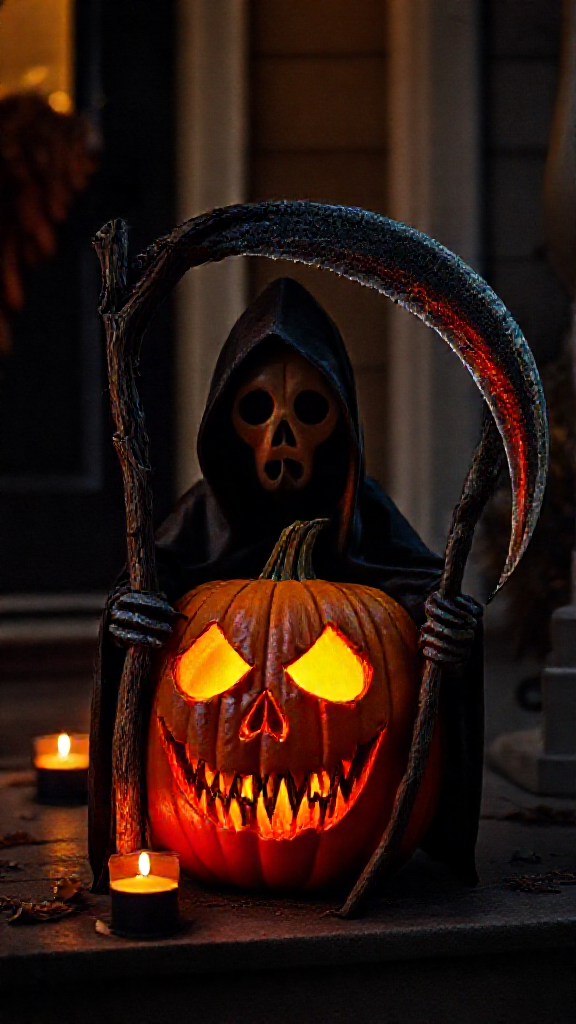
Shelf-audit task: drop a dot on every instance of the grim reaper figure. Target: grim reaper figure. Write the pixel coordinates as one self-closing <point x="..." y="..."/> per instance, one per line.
<point x="281" y="441"/>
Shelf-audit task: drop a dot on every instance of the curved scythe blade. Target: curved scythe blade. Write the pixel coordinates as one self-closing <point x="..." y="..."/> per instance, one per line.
<point x="411" y="269"/>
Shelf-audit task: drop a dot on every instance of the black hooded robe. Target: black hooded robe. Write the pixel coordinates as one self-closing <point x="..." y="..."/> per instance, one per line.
<point x="225" y="527"/>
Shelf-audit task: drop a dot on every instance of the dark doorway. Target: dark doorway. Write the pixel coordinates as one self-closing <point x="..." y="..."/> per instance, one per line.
<point x="61" y="505"/>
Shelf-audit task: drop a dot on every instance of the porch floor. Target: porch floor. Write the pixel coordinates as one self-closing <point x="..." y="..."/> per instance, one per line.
<point x="427" y="949"/>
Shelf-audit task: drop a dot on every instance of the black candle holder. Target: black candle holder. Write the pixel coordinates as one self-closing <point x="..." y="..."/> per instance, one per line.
<point x="61" y="763"/>
<point x="144" y="894"/>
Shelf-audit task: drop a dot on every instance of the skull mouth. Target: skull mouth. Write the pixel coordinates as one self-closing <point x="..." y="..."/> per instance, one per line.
<point x="279" y="805"/>
<point x="288" y="468"/>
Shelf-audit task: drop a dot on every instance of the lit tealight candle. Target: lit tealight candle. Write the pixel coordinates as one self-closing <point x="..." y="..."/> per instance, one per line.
<point x="61" y="763"/>
<point x="144" y="892"/>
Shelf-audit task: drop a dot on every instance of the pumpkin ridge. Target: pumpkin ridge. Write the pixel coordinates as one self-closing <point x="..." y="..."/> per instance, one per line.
<point x="266" y="614"/>
<point x="195" y="854"/>
<point x="321" y="704"/>
<point x="211" y="588"/>
<point x="385" y="658"/>
<point x="273" y="598"/>
<point x="242" y="588"/>
<point x="394" y="623"/>
<point x="341" y="588"/>
<point x="383" y="604"/>
<point x="354" y="601"/>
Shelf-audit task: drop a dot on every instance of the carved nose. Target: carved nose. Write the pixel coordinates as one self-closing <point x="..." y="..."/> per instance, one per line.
<point x="284" y="435"/>
<point x="264" y="716"/>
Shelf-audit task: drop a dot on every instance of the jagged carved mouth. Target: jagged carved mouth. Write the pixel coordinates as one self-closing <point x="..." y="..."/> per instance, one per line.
<point x="274" y="806"/>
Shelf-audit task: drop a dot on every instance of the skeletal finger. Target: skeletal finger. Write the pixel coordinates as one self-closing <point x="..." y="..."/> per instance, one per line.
<point x="461" y="604"/>
<point x="129" y="620"/>
<point x="139" y="600"/>
<point x="443" y="612"/>
<point x="459" y="650"/>
<point x="445" y="633"/>
<point x="470" y="605"/>
<point x="130" y="637"/>
<point x="442" y="656"/>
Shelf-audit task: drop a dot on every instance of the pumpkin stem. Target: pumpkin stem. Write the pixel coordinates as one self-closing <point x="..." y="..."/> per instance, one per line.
<point x="291" y="558"/>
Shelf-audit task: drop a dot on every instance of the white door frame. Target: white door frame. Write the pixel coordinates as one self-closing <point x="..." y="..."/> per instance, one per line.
<point x="434" y="103"/>
<point x="211" y="133"/>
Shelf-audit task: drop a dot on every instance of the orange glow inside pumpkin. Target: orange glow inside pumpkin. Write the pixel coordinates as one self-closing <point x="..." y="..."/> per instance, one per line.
<point x="331" y="670"/>
<point x="209" y="667"/>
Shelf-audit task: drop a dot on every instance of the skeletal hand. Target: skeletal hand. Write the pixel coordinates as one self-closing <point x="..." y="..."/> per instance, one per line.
<point x="448" y="633"/>
<point x="141" y="618"/>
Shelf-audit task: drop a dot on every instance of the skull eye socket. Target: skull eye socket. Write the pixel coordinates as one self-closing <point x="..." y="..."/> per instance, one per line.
<point x="209" y="667"/>
<point x="331" y="670"/>
<point x="311" y="407"/>
<point x="256" y="407"/>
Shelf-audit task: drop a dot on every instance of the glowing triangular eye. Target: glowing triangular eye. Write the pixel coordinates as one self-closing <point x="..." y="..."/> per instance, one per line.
<point x="209" y="667"/>
<point x="331" y="670"/>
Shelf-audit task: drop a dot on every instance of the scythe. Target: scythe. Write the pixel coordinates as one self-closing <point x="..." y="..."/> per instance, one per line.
<point x="412" y="270"/>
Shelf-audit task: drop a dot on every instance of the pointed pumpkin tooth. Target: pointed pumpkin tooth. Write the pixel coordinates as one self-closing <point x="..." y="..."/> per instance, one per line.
<point x="339" y="807"/>
<point x="282" y="817"/>
<point x="324" y="783"/>
<point x="209" y="775"/>
<point x="235" y="814"/>
<point x="203" y="803"/>
<point x="226" y="780"/>
<point x="346" y="766"/>
<point x="315" y="815"/>
<point x="194" y="762"/>
<point x="247" y="790"/>
<point x="262" y="818"/>
<point x="303" y="816"/>
<point x="220" y="812"/>
<point x="314" y="788"/>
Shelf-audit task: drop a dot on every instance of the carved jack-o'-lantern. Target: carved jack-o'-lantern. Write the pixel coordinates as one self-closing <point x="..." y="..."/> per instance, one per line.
<point x="281" y="726"/>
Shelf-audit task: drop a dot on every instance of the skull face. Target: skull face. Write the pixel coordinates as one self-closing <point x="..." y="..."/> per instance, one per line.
<point x="284" y="410"/>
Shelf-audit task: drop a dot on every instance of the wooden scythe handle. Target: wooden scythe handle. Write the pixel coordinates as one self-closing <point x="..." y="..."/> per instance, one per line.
<point x="486" y="465"/>
<point x="131" y="442"/>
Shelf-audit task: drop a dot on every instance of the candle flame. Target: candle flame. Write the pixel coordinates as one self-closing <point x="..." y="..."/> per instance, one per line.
<point x="64" y="744"/>
<point x="144" y="864"/>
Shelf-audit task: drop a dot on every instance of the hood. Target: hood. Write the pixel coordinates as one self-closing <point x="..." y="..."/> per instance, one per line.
<point x="285" y="313"/>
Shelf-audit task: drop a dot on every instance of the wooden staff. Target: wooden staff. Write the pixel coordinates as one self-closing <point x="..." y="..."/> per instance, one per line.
<point x="131" y="442"/>
<point x="479" y="485"/>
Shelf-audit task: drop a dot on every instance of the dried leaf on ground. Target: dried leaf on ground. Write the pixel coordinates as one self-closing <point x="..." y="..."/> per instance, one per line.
<point x="545" y="883"/>
<point x="30" y="912"/>
<point x="67" y="888"/>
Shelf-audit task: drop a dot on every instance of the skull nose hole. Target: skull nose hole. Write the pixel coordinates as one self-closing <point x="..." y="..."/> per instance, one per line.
<point x="311" y="407"/>
<point x="273" y="469"/>
<point x="256" y="407"/>
<point x="254" y="720"/>
<point x="264" y="716"/>
<point x="283" y="435"/>
<point x="296" y="469"/>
